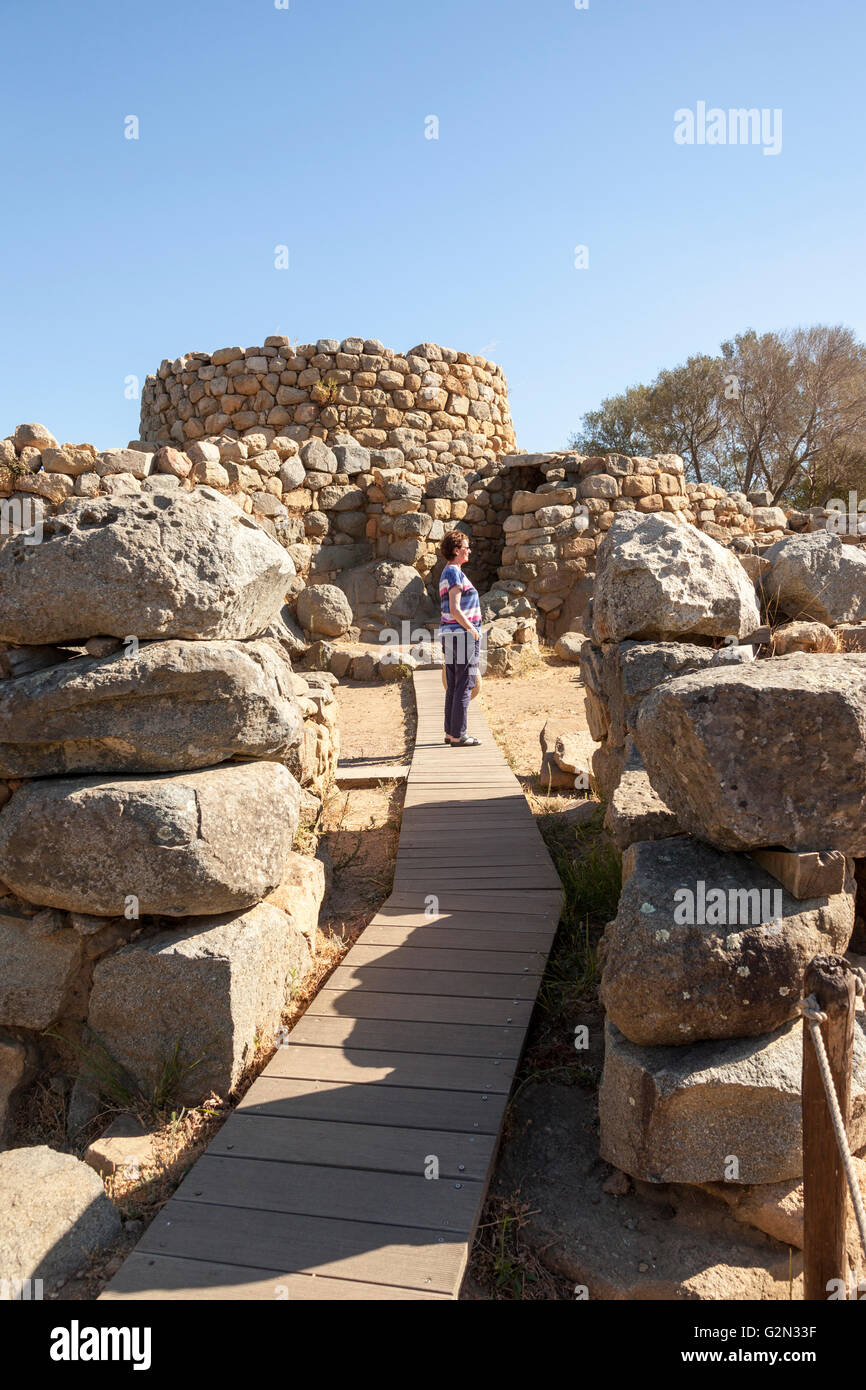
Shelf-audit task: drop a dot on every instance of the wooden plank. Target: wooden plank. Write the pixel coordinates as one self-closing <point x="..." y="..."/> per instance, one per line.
<point x="335" y="1144"/>
<point x="401" y="1106"/>
<point x="370" y="776"/>
<point x="508" y="923"/>
<point x="409" y="1257"/>
<point x="468" y="857"/>
<point x="535" y="903"/>
<point x="480" y="814"/>
<point x="396" y="1035"/>
<point x="348" y="1194"/>
<point x="159" y="1278"/>
<point x="484" y="962"/>
<point x="479" y="817"/>
<point x="476" y="834"/>
<point x="491" y="851"/>
<point x="488" y="933"/>
<point x="403" y="980"/>
<point x="417" y="1007"/>
<point x="443" y="934"/>
<point x="817" y="874"/>
<point x="351" y="1065"/>
<point x="426" y="842"/>
<point x="441" y="798"/>
<point x="523" y="878"/>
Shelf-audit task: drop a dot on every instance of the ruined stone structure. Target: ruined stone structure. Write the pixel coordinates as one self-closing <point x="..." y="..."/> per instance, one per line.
<point x="158" y="755"/>
<point x="706" y="758"/>
<point x="254" y="527"/>
<point x="432" y="403"/>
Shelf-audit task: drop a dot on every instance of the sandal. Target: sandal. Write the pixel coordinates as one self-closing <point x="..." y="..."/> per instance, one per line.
<point x="468" y="741"/>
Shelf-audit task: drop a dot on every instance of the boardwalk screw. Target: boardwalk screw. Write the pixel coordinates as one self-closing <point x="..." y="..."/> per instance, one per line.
<point x="458" y="1184"/>
<point x="483" y="1098"/>
<point x="461" y="1167"/>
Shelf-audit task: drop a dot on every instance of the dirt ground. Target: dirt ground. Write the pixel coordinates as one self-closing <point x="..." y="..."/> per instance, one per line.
<point x="517" y="707"/>
<point x="376" y="720"/>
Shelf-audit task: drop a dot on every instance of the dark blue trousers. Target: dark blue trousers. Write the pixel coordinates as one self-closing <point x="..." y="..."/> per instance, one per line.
<point x="460" y="651"/>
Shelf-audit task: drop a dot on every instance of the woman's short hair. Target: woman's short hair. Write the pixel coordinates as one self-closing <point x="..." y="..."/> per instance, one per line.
<point x="452" y="541"/>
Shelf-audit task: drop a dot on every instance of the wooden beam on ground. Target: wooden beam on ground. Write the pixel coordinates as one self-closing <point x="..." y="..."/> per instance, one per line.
<point x="812" y="874"/>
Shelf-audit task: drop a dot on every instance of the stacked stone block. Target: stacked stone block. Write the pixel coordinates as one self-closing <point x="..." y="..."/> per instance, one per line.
<point x="568" y="502"/>
<point x="702" y="967"/>
<point x="432" y="403"/>
<point x="157" y="756"/>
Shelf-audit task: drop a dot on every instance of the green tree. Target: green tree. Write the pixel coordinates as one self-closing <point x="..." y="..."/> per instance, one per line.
<point x="784" y="412"/>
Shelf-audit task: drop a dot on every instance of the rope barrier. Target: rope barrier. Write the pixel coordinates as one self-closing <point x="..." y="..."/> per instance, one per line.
<point x="814" y="1018"/>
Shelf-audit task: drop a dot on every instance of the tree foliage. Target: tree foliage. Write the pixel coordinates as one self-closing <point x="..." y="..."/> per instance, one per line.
<point x="782" y="412"/>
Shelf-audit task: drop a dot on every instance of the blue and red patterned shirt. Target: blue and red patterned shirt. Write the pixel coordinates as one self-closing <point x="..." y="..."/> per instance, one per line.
<point x="469" y="603"/>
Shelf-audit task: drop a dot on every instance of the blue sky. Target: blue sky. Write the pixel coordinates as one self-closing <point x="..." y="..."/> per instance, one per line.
<point x="305" y="127"/>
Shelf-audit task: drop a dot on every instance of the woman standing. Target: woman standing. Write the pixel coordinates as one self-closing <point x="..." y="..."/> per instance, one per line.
<point x="460" y="630"/>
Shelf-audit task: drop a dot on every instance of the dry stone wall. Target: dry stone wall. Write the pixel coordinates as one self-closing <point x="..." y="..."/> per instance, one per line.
<point x="566" y="502"/>
<point x="158" y="755"/>
<point x="432" y="403"/>
<point x="710" y="752"/>
<point x="364" y="506"/>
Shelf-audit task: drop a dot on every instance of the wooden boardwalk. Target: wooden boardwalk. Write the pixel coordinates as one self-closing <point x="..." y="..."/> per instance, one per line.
<point x="316" y="1186"/>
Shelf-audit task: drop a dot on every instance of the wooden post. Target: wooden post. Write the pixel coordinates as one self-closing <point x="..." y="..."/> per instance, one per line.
<point x="831" y="981"/>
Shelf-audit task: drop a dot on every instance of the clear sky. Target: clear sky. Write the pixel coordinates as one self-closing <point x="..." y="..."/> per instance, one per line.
<point x="304" y="127"/>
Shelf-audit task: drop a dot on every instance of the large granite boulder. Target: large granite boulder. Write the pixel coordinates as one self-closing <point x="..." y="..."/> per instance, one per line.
<point x="716" y="1111"/>
<point x="172" y="706"/>
<point x="40" y="957"/>
<point x="54" y="1214"/>
<point x="198" y="998"/>
<point x="816" y="576"/>
<point x="324" y="610"/>
<point x="185" y="564"/>
<point x="658" y="579"/>
<point x="387" y="594"/>
<point x="708" y="945"/>
<point x="636" y="812"/>
<point x="770" y="753"/>
<point x="214" y="840"/>
<point x="620" y="675"/>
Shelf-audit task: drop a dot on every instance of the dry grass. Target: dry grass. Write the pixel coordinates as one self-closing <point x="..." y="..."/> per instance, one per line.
<point x="503" y="1265"/>
<point x="41" y="1116"/>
